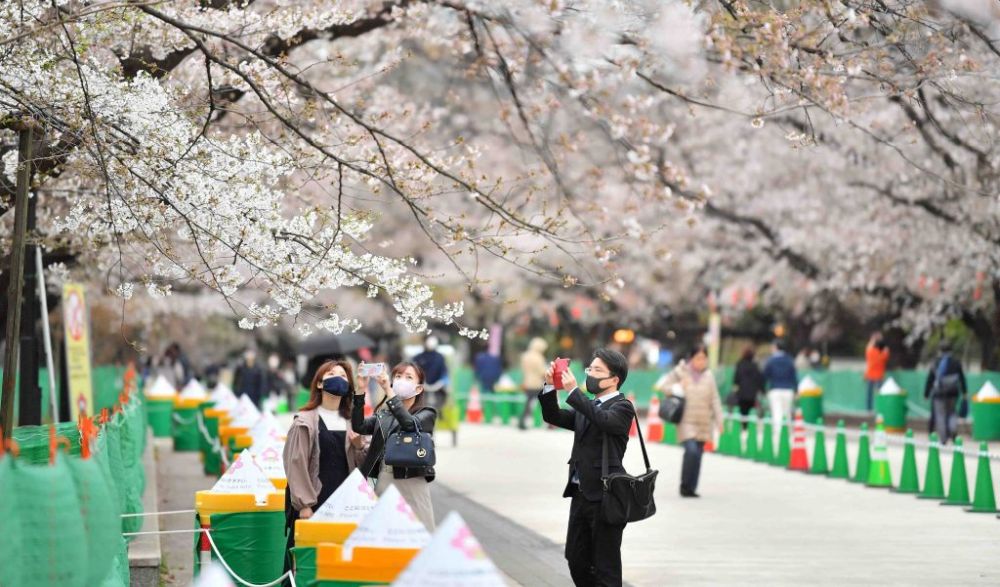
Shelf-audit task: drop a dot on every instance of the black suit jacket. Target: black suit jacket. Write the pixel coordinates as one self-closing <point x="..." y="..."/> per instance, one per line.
<point x="590" y="423"/>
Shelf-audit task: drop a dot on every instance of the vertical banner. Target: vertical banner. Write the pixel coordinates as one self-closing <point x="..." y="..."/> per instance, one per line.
<point x="76" y="327"/>
<point x="714" y="338"/>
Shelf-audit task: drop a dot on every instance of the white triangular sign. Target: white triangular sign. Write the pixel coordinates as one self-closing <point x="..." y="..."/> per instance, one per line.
<point x="987" y="391"/>
<point x="194" y="390"/>
<point x="266" y="430"/>
<point x="391" y="524"/>
<point x="270" y="460"/>
<point x="160" y="388"/>
<point x="244" y="476"/>
<point x="350" y="503"/>
<point x="453" y="558"/>
<point x="223" y="395"/>
<point x="890" y="387"/>
<point x="807" y="384"/>
<point x="247" y="413"/>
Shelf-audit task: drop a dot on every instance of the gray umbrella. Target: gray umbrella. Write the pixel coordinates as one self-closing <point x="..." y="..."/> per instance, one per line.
<point x="334" y="344"/>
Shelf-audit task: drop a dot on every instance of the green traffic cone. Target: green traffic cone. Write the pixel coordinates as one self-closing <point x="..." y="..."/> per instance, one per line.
<point x="909" y="481"/>
<point x="536" y="413"/>
<point x="958" y="489"/>
<point x="670" y="433"/>
<point x="864" y="457"/>
<point x="725" y="439"/>
<point x="985" y="502"/>
<point x="751" y="450"/>
<point x="933" y="481"/>
<point x="784" y="447"/>
<point x="488" y="409"/>
<point x="766" y="452"/>
<point x="879" y="474"/>
<point x="840" y="468"/>
<point x="819" y="464"/>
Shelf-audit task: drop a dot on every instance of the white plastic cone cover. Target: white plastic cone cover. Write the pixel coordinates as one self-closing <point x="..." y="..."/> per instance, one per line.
<point x="807" y="384"/>
<point x="350" y="503"/>
<point x="453" y="558"/>
<point x="246" y="414"/>
<point x="244" y="476"/>
<point x="213" y="575"/>
<point x="390" y="524"/>
<point x="222" y="394"/>
<point x="266" y="431"/>
<point x="987" y="391"/>
<point x="269" y="459"/>
<point x="194" y="390"/>
<point x="890" y="387"/>
<point x="160" y="388"/>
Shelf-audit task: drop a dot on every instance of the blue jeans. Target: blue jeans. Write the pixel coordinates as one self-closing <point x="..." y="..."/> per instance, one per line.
<point x="691" y="466"/>
<point x="872" y="390"/>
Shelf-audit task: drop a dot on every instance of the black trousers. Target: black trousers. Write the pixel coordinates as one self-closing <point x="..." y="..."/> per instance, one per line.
<point x="593" y="547"/>
<point x="691" y="465"/>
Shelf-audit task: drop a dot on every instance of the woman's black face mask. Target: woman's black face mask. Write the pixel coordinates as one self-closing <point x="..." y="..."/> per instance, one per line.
<point x="337" y="386"/>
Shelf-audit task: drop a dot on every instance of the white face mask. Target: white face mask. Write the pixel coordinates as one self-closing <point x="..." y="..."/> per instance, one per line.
<point x="405" y="388"/>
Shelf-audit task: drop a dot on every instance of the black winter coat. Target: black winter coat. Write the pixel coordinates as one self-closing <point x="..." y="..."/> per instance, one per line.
<point x="383" y="424"/>
<point x="748" y="380"/>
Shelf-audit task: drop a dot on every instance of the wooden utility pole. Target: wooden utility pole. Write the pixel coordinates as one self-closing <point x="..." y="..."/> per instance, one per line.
<point x="15" y="287"/>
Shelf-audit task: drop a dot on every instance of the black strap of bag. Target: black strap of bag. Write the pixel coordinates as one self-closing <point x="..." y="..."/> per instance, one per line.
<point x="627" y="498"/>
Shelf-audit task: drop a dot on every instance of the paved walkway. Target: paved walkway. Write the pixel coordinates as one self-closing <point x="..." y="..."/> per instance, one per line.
<point x="755" y="524"/>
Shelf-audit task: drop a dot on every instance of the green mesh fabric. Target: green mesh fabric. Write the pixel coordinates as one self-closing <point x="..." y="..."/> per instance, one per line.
<point x="185" y="429"/>
<point x="10" y="538"/>
<point x="118" y="574"/>
<point x="99" y="511"/>
<point x="33" y="441"/>
<point x="134" y="477"/>
<point x="52" y="533"/>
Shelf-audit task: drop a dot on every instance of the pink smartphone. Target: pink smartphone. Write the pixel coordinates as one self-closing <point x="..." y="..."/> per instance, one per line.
<point x="561" y="366"/>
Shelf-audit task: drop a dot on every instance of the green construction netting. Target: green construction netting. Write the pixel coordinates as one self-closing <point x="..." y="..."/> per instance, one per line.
<point x="53" y="538"/>
<point x="62" y="524"/>
<point x="252" y="543"/>
<point x="107" y="382"/>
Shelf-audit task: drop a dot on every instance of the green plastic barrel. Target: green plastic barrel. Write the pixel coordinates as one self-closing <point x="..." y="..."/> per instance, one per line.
<point x="208" y="441"/>
<point x="160" y="411"/>
<point x="985" y="420"/>
<point x="489" y="408"/>
<point x="811" y="406"/>
<point x="305" y="564"/>
<point x="537" y="414"/>
<point x="892" y="408"/>
<point x="252" y="543"/>
<point x="506" y="408"/>
<point x="463" y="404"/>
<point x="187" y="438"/>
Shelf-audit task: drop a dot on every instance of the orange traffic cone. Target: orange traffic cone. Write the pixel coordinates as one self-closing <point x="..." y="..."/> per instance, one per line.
<point x="654" y="425"/>
<point x="799" y="460"/>
<point x="474" y="412"/>
<point x="634" y="430"/>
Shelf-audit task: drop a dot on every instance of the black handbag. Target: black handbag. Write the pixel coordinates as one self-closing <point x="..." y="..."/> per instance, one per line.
<point x="672" y="409"/>
<point x="410" y="449"/>
<point x="627" y="498"/>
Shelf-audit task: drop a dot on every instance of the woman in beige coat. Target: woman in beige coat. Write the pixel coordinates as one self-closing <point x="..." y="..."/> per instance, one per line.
<point x="702" y="412"/>
<point x="321" y="448"/>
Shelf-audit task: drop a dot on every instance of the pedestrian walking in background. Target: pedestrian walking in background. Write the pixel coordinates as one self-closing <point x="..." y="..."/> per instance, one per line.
<point x="693" y="380"/>
<point x="748" y="382"/>
<point x="405" y="409"/>
<point x="321" y="449"/>
<point x="876" y="360"/>
<point x="533" y="369"/>
<point x="435" y="370"/>
<point x="250" y="378"/>
<point x="175" y="367"/>
<point x="593" y="546"/>
<point x="487" y="368"/>
<point x="946" y="387"/>
<point x="782" y="382"/>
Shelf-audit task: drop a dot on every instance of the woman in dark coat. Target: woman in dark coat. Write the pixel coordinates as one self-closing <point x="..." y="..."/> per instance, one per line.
<point x="748" y="382"/>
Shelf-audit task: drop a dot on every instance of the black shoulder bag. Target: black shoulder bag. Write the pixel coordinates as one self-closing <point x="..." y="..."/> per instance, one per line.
<point x="410" y="449"/>
<point x="627" y="498"/>
<point x="672" y="409"/>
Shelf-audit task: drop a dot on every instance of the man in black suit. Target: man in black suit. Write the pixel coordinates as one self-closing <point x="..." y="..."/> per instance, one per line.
<point x="593" y="547"/>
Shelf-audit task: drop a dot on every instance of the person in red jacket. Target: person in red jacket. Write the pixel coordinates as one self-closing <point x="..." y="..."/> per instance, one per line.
<point x="876" y="359"/>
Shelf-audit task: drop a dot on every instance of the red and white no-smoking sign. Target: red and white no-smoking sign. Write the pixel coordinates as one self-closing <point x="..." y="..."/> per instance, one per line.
<point x="76" y="315"/>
